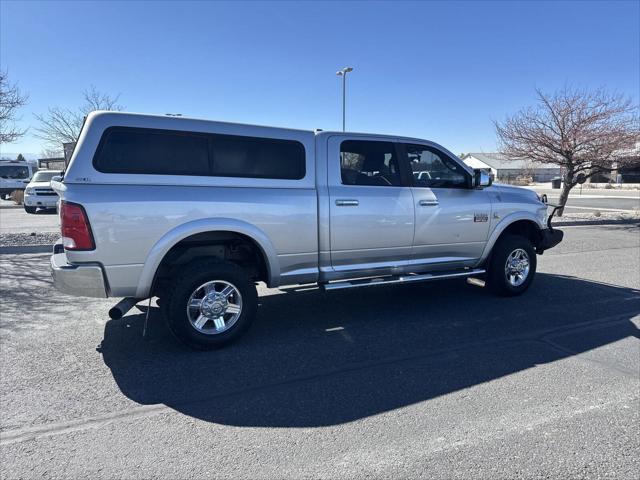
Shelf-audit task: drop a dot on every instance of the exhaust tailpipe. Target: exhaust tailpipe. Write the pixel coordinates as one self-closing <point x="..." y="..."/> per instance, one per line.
<point x="122" y="307"/>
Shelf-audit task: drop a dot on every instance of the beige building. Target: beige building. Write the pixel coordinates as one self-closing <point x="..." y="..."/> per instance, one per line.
<point x="506" y="169"/>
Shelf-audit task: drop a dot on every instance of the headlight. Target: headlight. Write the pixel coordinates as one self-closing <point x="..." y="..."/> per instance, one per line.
<point x="29" y="191"/>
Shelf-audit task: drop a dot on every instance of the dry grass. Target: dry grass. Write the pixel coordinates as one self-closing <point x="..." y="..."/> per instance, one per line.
<point x="17" y="196"/>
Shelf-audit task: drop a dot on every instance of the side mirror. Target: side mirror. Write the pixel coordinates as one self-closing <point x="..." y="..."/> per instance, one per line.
<point x="26" y="181"/>
<point x="56" y="178"/>
<point x="481" y="178"/>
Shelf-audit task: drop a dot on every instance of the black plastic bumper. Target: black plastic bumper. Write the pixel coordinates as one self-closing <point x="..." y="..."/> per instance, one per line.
<point x="549" y="239"/>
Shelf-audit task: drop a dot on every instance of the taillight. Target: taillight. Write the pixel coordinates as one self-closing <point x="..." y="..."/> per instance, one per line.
<point x="76" y="232"/>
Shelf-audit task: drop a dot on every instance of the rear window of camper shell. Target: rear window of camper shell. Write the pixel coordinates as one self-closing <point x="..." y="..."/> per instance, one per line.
<point x="132" y="150"/>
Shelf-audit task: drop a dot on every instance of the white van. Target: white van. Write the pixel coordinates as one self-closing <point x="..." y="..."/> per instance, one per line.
<point x="14" y="175"/>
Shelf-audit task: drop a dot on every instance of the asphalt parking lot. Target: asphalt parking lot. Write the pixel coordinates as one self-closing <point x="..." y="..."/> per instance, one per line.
<point x="16" y="220"/>
<point x="603" y="203"/>
<point x="440" y="380"/>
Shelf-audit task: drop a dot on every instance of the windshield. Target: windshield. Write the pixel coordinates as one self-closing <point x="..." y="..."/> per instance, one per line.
<point x="14" y="171"/>
<point x="45" y="175"/>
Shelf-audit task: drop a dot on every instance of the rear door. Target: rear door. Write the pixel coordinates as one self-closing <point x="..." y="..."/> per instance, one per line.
<point x="452" y="217"/>
<point x="371" y="204"/>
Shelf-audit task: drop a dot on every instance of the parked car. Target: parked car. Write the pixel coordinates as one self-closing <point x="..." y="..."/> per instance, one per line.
<point x="14" y="175"/>
<point x="38" y="193"/>
<point x="197" y="212"/>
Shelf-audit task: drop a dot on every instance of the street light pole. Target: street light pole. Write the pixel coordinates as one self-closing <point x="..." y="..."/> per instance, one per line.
<point x="343" y="73"/>
<point x="344" y="101"/>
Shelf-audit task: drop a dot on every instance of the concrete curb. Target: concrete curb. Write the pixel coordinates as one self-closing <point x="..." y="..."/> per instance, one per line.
<point x="2" y="207"/>
<point x="626" y="221"/>
<point x="17" y="249"/>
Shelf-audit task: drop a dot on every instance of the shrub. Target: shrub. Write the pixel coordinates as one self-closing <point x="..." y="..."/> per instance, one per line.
<point x="522" y="180"/>
<point x="17" y="196"/>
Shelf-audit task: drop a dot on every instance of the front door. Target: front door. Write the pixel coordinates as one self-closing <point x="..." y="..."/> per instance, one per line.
<point x="452" y="217"/>
<point x="371" y="205"/>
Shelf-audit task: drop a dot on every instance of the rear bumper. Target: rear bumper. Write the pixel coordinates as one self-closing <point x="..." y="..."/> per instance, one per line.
<point x="85" y="280"/>
<point x="549" y="239"/>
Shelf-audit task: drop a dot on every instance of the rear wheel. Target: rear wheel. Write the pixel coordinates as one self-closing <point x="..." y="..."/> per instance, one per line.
<point x="30" y="209"/>
<point x="512" y="266"/>
<point x="211" y="304"/>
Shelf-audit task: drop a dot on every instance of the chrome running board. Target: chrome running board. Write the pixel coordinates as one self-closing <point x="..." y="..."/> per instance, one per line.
<point x="424" y="277"/>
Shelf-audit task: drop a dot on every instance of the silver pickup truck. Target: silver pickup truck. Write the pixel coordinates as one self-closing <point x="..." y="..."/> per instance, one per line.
<point x="197" y="212"/>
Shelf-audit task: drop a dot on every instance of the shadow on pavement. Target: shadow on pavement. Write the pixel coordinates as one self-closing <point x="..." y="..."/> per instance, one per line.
<point x="318" y="359"/>
<point x="27" y="296"/>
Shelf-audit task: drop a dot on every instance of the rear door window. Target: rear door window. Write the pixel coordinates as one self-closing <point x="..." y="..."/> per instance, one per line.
<point x="366" y="162"/>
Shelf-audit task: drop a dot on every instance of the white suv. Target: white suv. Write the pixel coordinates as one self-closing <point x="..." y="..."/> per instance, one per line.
<point x="39" y="193"/>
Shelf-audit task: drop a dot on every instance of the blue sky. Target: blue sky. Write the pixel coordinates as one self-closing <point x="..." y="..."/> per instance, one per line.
<point x="436" y="70"/>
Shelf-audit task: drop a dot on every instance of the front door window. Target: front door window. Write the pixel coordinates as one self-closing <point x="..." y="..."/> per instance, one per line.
<point x="433" y="169"/>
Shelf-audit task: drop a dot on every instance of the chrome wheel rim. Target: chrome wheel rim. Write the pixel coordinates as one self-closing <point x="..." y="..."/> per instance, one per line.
<point x="517" y="267"/>
<point x="214" y="307"/>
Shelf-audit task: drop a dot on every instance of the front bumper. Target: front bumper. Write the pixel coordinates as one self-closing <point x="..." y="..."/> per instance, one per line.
<point x="44" y="201"/>
<point x="549" y="238"/>
<point x="84" y="280"/>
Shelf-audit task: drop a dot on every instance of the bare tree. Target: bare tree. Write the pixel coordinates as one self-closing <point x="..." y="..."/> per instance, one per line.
<point x="583" y="132"/>
<point x="11" y="99"/>
<point x="62" y="125"/>
<point x="51" y="153"/>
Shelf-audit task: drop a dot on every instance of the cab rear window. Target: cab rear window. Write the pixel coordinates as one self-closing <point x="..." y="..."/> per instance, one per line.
<point x="167" y="152"/>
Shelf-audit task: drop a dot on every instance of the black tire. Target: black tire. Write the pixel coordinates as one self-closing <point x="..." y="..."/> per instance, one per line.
<point x="30" y="209"/>
<point x="497" y="279"/>
<point x="195" y="275"/>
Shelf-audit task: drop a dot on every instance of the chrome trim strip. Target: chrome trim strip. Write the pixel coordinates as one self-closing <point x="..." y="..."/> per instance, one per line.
<point x="400" y="279"/>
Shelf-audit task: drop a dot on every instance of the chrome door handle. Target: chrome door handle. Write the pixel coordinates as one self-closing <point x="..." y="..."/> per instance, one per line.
<point x="347" y="203"/>
<point x="429" y="203"/>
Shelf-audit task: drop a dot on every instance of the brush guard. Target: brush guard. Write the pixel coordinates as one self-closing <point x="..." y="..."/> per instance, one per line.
<point x="550" y="237"/>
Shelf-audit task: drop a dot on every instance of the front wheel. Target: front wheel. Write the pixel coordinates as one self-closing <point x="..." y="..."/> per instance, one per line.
<point x="512" y="266"/>
<point x="30" y="209"/>
<point x="211" y="304"/>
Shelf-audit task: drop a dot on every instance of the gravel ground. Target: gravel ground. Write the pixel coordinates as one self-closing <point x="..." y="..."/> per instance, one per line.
<point x="35" y="238"/>
<point x="570" y="217"/>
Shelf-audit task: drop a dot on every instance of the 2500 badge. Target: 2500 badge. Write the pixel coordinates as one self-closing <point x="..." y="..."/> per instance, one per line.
<point x="480" y="217"/>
